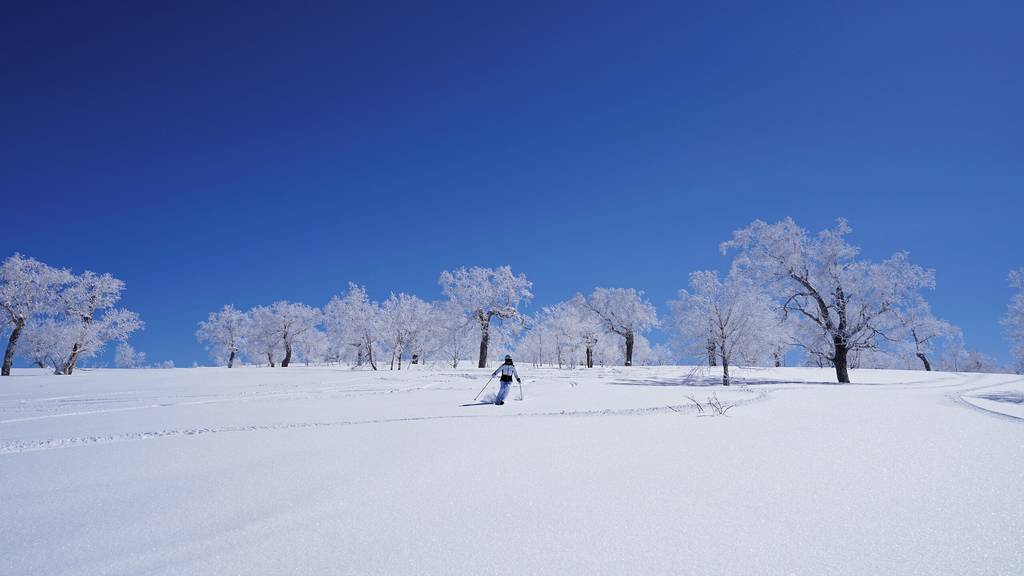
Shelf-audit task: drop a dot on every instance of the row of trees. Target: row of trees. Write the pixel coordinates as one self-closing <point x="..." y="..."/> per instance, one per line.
<point x="481" y="313"/>
<point x="353" y="328"/>
<point x="786" y="290"/>
<point x="482" y="310"/>
<point x="57" y="318"/>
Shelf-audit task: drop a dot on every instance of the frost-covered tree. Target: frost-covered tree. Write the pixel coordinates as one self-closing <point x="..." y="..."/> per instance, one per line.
<point x="917" y="330"/>
<point x="847" y="302"/>
<point x="956" y="357"/>
<point x="263" y="337"/>
<point x="36" y="344"/>
<point x="352" y="322"/>
<point x="223" y="333"/>
<point x="486" y="293"/>
<point x="47" y="342"/>
<point x="588" y="327"/>
<point x="87" y="318"/>
<point x="403" y="319"/>
<point x="1013" y="322"/>
<point x="27" y="288"/>
<point x="564" y="334"/>
<point x="313" y="347"/>
<point x="125" y="356"/>
<point x="622" y="311"/>
<point x="561" y="342"/>
<point x="456" y="334"/>
<point x="62" y="341"/>
<point x="734" y="315"/>
<point x="291" y="321"/>
<point x="427" y="335"/>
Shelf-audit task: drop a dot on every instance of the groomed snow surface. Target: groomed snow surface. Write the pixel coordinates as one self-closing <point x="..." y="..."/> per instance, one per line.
<point x="604" y="471"/>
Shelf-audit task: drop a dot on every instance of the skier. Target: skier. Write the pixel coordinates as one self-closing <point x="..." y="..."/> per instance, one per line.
<point x="507" y="370"/>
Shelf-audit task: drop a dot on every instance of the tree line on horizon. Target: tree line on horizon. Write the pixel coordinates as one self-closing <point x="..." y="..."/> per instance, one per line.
<point x="787" y="291"/>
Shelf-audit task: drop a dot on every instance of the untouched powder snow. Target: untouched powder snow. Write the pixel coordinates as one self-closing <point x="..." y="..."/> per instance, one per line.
<point x="602" y="471"/>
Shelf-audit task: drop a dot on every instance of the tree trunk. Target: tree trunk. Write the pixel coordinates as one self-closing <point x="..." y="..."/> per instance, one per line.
<point x="725" y="370"/>
<point x="369" y="355"/>
<point x="287" y="355"/>
<point x="924" y="359"/>
<point x="842" y="373"/>
<point x="40" y="364"/>
<point x="629" y="349"/>
<point x="778" y="359"/>
<point x="270" y="359"/>
<point x="485" y="337"/>
<point x="231" y="359"/>
<point x="590" y="357"/>
<point x="12" y="342"/>
<point x="415" y="358"/>
<point x="712" y="356"/>
<point x="359" y="356"/>
<point x="69" y="366"/>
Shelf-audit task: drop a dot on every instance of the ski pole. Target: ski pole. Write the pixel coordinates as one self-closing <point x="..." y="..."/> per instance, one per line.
<point x="484" y="388"/>
<point x="520" y="389"/>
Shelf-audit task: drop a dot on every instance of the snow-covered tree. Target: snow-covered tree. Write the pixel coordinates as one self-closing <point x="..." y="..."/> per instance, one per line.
<point x="403" y="319"/>
<point x="587" y="327"/>
<point x="917" y="330"/>
<point x="352" y="322"/>
<point x="224" y="333"/>
<point x="125" y="356"/>
<point x="732" y="315"/>
<point x="27" y="288"/>
<point x="290" y="321"/>
<point x="313" y="347"/>
<point x="661" y="355"/>
<point x="1013" y="322"/>
<point x="87" y="317"/>
<point x="263" y="338"/>
<point x="46" y="342"/>
<point x="456" y="334"/>
<point x="486" y="293"/>
<point x="847" y="302"/>
<point x="427" y="336"/>
<point x="561" y="335"/>
<point x="622" y="311"/>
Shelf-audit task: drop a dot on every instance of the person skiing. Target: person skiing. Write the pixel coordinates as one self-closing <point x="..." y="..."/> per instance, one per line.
<point x="507" y="371"/>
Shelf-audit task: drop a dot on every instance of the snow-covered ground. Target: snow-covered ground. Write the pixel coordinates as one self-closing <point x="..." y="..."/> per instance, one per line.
<point x="603" y="471"/>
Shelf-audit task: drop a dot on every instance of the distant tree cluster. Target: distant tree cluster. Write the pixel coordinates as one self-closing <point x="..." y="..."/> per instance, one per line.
<point x="608" y="327"/>
<point x="788" y="289"/>
<point x="56" y="318"/>
<point x="481" y="319"/>
<point x="355" y="329"/>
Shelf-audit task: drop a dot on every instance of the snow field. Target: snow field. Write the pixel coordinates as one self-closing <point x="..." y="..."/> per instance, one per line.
<point x="603" y="471"/>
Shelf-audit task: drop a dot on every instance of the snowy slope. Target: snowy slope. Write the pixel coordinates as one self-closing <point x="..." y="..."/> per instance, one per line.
<point x="603" y="471"/>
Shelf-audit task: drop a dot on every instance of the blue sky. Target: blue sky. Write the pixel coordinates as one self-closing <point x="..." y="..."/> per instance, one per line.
<point x="210" y="154"/>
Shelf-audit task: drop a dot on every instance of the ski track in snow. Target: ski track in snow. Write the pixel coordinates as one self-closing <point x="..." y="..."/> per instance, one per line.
<point x="333" y="392"/>
<point x="13" y="447"/>
<point x="759" y="390"/>
<point x="964" y="398"/>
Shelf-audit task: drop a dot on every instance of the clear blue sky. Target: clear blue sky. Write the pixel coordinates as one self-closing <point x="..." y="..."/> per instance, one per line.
<point x="211" y="153"/>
